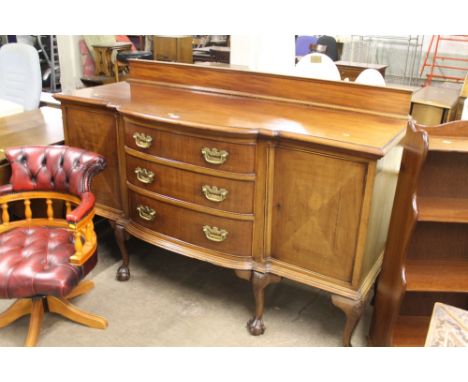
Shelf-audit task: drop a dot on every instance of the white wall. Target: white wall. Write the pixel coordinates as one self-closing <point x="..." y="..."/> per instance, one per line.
<point x="70" y="61"/>
<point x="265" y="53"/>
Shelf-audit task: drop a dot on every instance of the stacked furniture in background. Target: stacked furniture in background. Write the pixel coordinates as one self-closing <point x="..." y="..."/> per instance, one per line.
<point x="433" y="105"/>
<point x="98" y="73"/>
<point x="426" y="256"/>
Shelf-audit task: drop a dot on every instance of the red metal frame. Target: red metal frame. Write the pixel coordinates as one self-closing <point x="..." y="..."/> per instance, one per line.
<point x="435" y="57"/>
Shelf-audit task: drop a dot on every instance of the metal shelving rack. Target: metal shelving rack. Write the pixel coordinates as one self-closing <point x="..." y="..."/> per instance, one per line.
<point x="370" y="49"/>
<point x="49" y="49"/>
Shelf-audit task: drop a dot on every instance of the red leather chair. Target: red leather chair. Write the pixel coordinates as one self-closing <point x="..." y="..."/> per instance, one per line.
<point x="44" y="258"/>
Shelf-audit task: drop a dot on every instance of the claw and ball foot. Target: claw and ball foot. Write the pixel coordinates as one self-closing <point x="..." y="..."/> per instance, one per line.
<point x="123" y="273"/>
<point x="259" y="282"/>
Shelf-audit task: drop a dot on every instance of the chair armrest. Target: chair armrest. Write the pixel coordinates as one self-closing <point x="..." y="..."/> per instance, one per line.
<point x="83" y="209"/>
<point x="6" y="189"/>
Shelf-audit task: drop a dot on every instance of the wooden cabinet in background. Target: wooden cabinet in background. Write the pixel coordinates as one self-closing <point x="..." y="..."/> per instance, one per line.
<point x="269" y="175"/>
<point x="173" y="48"/>
<point x="434" y="105"/>
<point x="426" y="257"/>
<point x="351" y="70"/>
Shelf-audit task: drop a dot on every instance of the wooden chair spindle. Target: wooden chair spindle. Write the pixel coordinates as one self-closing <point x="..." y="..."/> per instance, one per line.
<point x="50" y="209"/>
<point x="68" y="207"/>
<point x="27" y="209"/>
<point x="78" y="244"/>
<point x="5" y="214"/>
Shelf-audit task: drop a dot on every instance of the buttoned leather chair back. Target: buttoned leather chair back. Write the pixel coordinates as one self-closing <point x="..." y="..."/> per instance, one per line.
<point x="52" y="168"/>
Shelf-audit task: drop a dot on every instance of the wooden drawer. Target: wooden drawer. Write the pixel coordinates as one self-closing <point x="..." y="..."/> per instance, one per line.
<point x="231" y="195"/>
<point x="187" y="225"/>
<point x="186" y="148"/>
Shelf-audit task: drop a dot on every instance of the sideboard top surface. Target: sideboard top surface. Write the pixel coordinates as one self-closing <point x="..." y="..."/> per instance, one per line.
<point x="354" y="127"/>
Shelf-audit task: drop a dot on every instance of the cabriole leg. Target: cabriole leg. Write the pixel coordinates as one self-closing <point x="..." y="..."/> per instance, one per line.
<point x="353" y="310"/>
<point x="259" y="282"/>
<point x="123" y="273"/>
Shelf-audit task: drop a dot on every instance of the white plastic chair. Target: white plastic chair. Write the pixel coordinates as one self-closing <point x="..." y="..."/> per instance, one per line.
<point x="20" y="78"/>
<point x="318" y="65"/>
<point x="370" y="77"/>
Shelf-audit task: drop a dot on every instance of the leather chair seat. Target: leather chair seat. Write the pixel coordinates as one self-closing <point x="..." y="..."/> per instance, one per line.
<point x="35" y="262"/>
<point x="139" y="54"/>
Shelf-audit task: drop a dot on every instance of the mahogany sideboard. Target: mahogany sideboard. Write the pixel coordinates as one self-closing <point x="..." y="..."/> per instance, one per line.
<point x="270" y="175"/>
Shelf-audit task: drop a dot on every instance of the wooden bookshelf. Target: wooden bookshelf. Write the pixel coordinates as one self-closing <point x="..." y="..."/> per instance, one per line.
<point x="449" y="144"/>
<point x="446" y="210"/>
<point x="436" y="275"/>
<point x="426" y="255"/>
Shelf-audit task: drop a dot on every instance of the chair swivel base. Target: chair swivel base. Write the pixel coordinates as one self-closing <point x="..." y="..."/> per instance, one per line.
<point x="36" y="307"/>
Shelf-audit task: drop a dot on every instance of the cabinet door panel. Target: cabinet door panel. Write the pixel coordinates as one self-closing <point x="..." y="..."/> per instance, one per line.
<point x="97" y="131"/>
<point x="317" y="201"/>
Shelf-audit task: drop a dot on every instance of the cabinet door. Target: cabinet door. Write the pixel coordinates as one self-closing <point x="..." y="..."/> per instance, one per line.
<point x="96" y="130"/>
<point x="317" y="202"/>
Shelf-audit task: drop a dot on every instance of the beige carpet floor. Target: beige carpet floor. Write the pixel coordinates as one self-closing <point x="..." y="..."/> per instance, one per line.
<point x="171" y="300"/>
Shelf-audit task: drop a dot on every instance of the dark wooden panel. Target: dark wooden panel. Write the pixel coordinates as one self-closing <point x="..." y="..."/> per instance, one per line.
<point x="422" y="303"/>
<point x="96" y="130"/>
<point x="346" y="94"/>
<point x="439" y="241"/>
<point x="444" y="175"/>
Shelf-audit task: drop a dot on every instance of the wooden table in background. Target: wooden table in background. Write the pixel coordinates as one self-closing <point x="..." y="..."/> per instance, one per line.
<point x="42" y="126"/>
<point x="103" y="52"/>
<point x="351" y="70"/>
<point x="434" y="105"/>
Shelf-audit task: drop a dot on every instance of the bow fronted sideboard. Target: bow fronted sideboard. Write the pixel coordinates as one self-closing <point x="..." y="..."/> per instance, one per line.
<point x="270" y="175"/>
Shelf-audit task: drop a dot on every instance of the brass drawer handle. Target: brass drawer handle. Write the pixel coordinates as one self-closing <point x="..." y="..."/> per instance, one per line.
<point x="215" y="233"/>
<point x="214" y="156"/>
<point x="144" y="176"/>
<point x="146" y="213"/>
<point x="142" y="140"/>
<point x="214" y="193"/>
